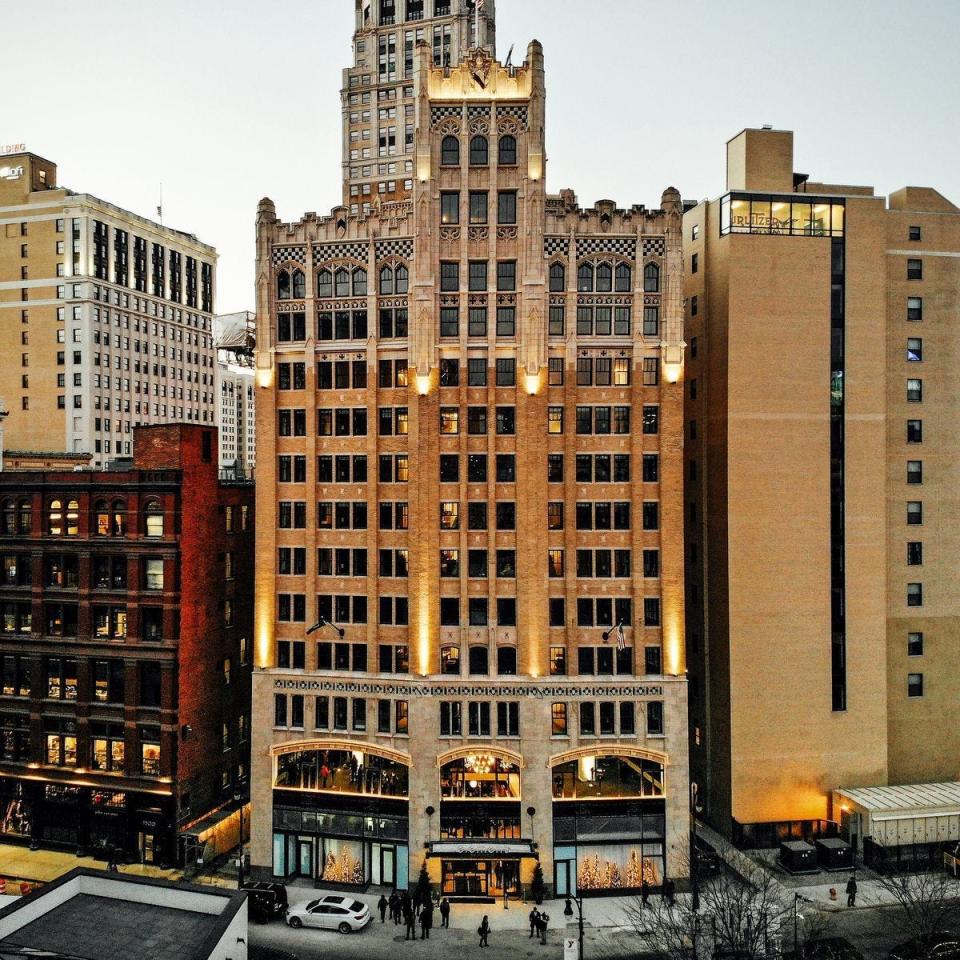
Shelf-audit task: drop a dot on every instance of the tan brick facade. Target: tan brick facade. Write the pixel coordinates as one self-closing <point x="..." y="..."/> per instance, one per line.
<point x="799" y="665"/>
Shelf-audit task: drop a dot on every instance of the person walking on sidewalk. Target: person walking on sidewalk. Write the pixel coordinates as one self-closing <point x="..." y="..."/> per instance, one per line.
<point x="484" y="931"/>
<point x="644" y="892"/>
<point x="542" y="925"/>
<point x="445" y="913"/>
<point x="852" y="892"/>
<point x="669" y="890"/>
<point x="426" y="920"/>
<point x="534" y="922"/>
<point x="382" y="907"/>
<point x="410" y="919"/>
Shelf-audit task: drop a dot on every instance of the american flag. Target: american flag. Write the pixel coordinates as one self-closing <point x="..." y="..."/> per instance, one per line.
<point x="621" y="639"/>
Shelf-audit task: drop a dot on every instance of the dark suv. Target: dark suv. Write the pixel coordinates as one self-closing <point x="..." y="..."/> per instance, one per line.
<point x="268" y="901"/>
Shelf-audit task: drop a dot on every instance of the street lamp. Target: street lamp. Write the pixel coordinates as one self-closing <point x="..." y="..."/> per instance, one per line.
<point x="694" y="866"/>
<point x="568" y="913"/>
<point x="239" y="798"/>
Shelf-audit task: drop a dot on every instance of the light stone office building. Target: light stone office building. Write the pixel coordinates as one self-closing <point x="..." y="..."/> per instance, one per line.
<point x="469" y="586"/>
<point x="105" y="318"/>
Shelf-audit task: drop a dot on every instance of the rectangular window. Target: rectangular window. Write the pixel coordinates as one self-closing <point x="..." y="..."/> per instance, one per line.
<point x="558" y="719"/>
<point x="449" y="208"/>
<point x="915" y="644"/>
<point x="914" y="390"/>
<point x="914" y="685"/>
<point x="506" y="207"/>
<point x="914" y="309"/>
<point x="449" y="276"/>
<point x="914" y="269"/>
<point x="507" y="275"/>
<point x="478" y="207"/>
<point x="478" y="276"/>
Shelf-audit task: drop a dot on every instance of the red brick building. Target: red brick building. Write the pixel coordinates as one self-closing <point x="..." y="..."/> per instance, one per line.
<point x="125" y="625"/>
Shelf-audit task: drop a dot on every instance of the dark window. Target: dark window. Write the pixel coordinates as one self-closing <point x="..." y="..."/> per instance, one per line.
<point x="450" y="151"/>
<point x="479" y="151"/>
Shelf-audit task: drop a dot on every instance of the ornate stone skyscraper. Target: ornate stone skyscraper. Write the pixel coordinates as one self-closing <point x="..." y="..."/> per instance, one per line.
<point x="469" y="559"/>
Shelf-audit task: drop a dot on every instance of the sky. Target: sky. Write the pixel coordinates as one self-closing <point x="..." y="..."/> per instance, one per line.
<point x="227" y="102"/>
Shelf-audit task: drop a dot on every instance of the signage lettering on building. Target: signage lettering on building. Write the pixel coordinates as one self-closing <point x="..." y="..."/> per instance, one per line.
<point x="537" y="692"/>
<point x="7" y="148"/>
<point x="11" y="173"/>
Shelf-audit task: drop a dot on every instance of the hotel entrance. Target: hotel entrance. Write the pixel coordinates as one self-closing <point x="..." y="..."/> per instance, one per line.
<point x="480" y="879"/>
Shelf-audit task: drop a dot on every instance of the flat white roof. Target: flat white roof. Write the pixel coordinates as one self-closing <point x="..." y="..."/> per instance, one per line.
<point x="920" y="796"/>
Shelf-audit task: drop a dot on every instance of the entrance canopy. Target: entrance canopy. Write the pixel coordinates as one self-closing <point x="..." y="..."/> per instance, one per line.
<point x="480" y="848"/>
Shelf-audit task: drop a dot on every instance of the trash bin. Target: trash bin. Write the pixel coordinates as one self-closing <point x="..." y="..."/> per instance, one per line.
<point x="798" y="856"/>
<point x="834" y="854"/>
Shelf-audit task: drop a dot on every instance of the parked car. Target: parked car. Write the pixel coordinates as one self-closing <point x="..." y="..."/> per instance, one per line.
<point x="332" y="912"/>
<point x="268" y="901"/>
<point x="941" y="946"/>
<point x="708" y="861"/>
<point x="826" y="948"/>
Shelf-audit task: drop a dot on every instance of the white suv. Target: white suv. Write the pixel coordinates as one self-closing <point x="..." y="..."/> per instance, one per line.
<point x="332" y="912"/>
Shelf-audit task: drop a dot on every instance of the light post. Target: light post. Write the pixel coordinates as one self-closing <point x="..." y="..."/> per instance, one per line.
<point x="239" y="798"/>
<point x="694" y="866"/>
<point x="568" y="912"/>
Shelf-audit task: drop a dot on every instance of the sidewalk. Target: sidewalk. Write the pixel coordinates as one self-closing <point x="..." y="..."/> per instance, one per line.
<point x="815" y="887"/>
<point x="19" y="863"/>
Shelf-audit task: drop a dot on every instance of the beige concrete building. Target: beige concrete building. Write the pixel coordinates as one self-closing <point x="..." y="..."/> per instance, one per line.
<point x="377" y="94"/>
<point x="821" y="485"/>
<point x="470" y="624"/>
<point x="235" y="336"/>
<point x="105" y="318"/>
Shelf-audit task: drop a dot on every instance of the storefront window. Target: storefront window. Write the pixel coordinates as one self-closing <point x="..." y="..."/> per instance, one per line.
<point x="16" y="814"/>
<point x="480" y="777"/>
<point x="619" y="866"/>
<point x="781" y="216"/>
<point x="342" y="771"/>
<point x="606" y="776"/>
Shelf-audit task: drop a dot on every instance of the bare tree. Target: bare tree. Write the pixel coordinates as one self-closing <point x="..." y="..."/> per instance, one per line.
<point x="744" y="917"/>
<point x="928" y="906"/>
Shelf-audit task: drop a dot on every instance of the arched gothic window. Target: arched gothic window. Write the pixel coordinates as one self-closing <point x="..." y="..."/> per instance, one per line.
<point x="283" y="285"/>
<point x="604" y="278"/>
<point x="359" y="282"/>
<point x="402" y="277"/>
<point x="623" y="278"/>
<point x="479" y="151"/>
<point x="341" y="282"/>
<point x="558" y="277"/>
<point x="386" y="280"/>
<point x="324" y="283"/>
<point x="585" y="278"/>
<point x="299" y="285"/>
<point x="507" y="156"/>
<point x="450" y="151"/>
<point x="651" y="278"/>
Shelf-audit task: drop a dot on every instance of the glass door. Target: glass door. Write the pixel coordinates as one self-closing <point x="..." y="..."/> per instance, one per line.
<point x="145" y="843"/>
<point x="388" y="875"/>
<point x="305" y="857"/>
<point x="465" y="878"/>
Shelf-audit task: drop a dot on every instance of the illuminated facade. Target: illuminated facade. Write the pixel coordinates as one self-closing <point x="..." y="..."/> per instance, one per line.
<point x="822" y="607"/>
<point x="105" y="318"/>
<point x="469" y="429"/>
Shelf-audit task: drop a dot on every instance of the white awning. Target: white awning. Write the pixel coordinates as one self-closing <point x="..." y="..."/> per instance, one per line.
<point x="481" y="848"/>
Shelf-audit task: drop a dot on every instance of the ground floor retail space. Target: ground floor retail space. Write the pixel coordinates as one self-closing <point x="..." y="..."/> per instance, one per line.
<point x="349" y="840"/>
<point x="135" y="827"/>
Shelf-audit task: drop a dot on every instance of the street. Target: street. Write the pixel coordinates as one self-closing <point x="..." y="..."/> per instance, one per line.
<point x="509" y="939"/>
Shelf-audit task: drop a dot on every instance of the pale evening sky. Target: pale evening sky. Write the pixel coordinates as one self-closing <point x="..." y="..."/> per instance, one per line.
<point x="228" y="102"/>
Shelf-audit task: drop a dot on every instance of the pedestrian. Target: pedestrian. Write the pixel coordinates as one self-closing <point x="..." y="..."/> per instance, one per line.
<point x="669" y="889"/>
<point x="644" y="892"/>
<point x="534" y="919"/>
<point x="445" y="913"/>
<point x="484" y="931"/>
<point x="410" y="919"/>
<point x="544" y="920"/>
<point x="426" y="920"/>
<point x="852" y="892"/>
<point x="382" y="905"/>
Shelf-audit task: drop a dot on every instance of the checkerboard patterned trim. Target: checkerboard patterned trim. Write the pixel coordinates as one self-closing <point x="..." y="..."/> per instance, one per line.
<point x="439" y="113"/>
<point x="283" y="254"/>
<point x="478" y="111"/>
<point x="340" y="251"/>
<point x="622" y="246"/>
<point x="654" y="246"/>
<point x="519" y="112"/>
<point x="554" y="245"/>
<point x="395" y="248"/>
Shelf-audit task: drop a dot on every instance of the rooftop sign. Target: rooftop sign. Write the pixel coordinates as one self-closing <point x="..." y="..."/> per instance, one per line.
<point x="8" y="148"/>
